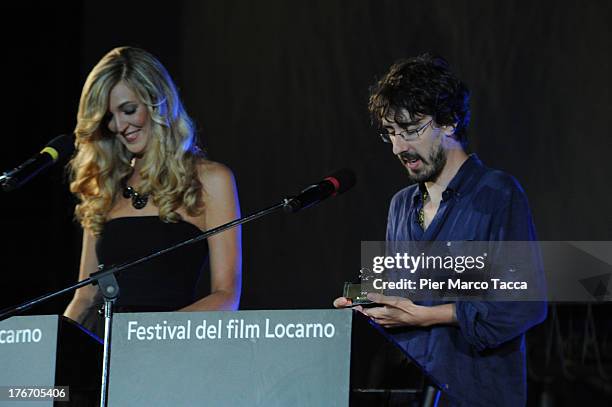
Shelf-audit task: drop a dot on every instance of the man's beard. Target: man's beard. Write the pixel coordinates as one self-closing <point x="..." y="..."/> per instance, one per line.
<point x="431" y="168"/>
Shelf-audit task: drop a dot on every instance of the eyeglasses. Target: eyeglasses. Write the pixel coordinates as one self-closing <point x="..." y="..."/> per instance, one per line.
<point x="406" y="135"/>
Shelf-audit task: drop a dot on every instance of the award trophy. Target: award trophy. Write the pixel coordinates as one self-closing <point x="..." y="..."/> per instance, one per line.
<point x="358" y="292"/>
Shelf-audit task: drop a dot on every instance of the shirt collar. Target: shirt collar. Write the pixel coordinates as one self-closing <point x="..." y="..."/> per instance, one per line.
<point x="463" y="180"/>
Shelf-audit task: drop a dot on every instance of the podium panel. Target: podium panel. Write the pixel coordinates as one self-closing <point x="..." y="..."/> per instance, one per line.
<point x="27" y="353"/>
<point x="48" y="351"/>
<point x="248" y="358"/>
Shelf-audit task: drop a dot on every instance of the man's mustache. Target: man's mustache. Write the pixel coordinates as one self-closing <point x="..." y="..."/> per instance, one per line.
<point x="406" y="156"/>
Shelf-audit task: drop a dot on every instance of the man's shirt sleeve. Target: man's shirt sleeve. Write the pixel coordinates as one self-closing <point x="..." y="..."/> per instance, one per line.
<point x="488" y="324"/>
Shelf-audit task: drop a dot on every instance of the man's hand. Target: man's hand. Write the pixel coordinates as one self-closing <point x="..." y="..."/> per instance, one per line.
<point x="343" y="302"/>
<point x="398" y="311"/>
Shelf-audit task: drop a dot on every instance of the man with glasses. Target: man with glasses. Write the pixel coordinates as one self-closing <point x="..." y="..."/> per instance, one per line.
<point x="475" y="348"/>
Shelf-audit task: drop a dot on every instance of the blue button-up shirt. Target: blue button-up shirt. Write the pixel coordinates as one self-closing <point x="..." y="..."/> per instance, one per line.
<point x="481" y="361"/>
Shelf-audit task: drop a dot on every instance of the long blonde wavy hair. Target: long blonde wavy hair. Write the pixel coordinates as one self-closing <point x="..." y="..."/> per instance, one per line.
<point x="169" y="172"/>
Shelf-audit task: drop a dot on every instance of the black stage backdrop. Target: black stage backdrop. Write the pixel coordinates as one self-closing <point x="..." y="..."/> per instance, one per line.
<point x="278" y="90"/>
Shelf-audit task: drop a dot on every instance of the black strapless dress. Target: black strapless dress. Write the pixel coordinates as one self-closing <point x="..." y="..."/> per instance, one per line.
<point x="165" y="283"/>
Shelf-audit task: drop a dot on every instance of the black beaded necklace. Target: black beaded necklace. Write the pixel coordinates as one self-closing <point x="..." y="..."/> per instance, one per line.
<point x="139" y="201"/>
<point x="421" y="216"/>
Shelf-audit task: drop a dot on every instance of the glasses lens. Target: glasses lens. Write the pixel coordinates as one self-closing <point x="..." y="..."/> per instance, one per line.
<point x="409" y="135"/>
<point x="413" y="134"/>
<point x="385" y="137"/>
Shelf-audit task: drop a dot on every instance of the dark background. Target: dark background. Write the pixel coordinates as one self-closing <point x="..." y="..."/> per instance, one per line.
<point x="279" y="89"/>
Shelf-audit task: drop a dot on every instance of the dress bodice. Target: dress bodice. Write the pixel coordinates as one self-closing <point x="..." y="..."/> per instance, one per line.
<point x="165" y="283"/>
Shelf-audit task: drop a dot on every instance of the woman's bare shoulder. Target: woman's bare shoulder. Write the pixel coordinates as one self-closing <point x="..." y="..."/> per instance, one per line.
<point x="214" y="174"/>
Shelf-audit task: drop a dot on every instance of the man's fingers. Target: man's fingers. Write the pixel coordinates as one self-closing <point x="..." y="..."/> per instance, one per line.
<point x="342" y="302"/>
<point x="384" y="299"/>
<point x="376" y="312"/>
<point x="384" y="322"/>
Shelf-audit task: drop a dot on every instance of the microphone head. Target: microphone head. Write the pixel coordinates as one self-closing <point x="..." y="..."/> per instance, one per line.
<point x="60" y="147"/>
<point x="343" y="180"/>
<point x="334" y="184"/>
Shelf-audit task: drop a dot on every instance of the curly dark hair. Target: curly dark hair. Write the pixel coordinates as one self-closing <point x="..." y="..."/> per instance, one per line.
<point x="423" y="85"/>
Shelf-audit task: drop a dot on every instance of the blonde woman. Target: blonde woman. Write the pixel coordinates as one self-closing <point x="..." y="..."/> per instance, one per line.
<point x="143" y="184"/>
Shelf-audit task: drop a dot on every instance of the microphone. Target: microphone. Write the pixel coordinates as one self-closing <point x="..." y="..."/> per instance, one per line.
<point x="59" y="147"/>
<point x="336" y="183"/>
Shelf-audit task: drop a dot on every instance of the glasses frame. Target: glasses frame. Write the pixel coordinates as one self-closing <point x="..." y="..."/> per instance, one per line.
<point x="406" y="135"/>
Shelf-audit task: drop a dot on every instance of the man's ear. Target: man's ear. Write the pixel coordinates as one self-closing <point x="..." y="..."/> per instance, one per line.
<point x="449" y="130"/>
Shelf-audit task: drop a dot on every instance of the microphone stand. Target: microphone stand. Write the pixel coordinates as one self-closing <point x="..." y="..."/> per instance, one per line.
<point x="105" y="278"/>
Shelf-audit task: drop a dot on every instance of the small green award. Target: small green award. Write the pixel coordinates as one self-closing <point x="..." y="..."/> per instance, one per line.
<point x="358" y="292"/>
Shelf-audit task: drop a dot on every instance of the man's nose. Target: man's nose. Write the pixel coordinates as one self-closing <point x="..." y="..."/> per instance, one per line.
<point x="399" y="144"/>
